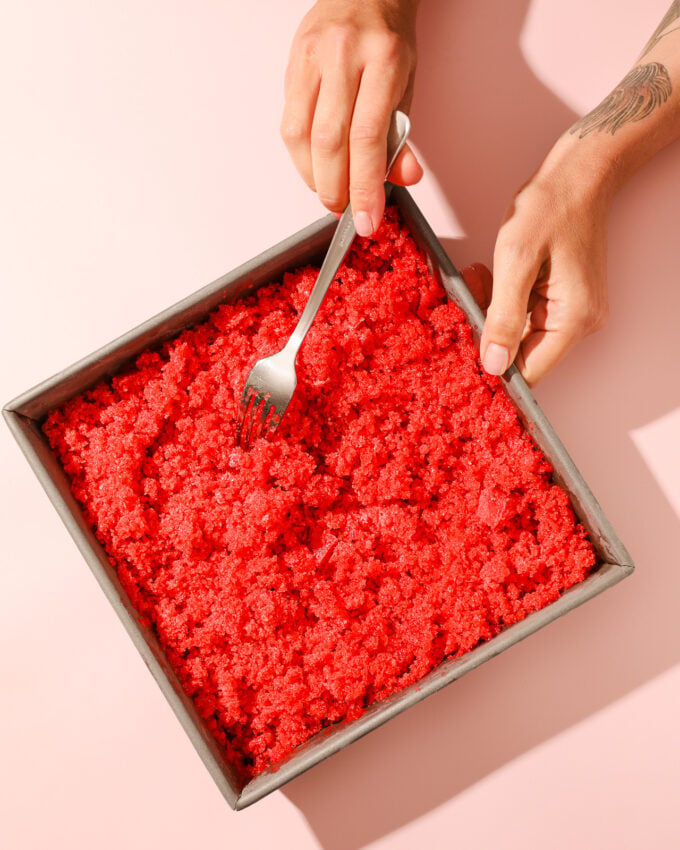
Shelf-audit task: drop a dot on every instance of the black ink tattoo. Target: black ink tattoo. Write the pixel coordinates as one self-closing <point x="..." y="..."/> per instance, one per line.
<point x="671" y="15"/>
<point x="639" y="93"/>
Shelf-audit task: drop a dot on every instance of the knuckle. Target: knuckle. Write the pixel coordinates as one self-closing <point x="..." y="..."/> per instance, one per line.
<point x="504" y="326"/>
<point x="388" y="47"/>
<point x="341" y="36"/>
<point x="328" y="138"/>
<point x="513" y="251"/>
<point x="366" y="133"/>
<point x="306" y="45"/>
<point x="361" y="191"/>
<point x="293" y="131"/>
<point x="588" y="315"/>
<point x="334" y="202"/>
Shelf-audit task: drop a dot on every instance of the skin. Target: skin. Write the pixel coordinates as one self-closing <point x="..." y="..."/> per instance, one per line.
<point x="352" y="63"/>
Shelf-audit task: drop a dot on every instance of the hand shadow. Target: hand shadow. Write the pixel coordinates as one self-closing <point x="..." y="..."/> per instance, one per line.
<point x="483" y="123"/>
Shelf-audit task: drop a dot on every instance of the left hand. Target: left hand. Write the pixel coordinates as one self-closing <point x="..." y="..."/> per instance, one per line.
<point x="549" y="269"/>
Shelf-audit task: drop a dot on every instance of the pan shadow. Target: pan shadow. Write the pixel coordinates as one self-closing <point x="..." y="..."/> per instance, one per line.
<point x="483" y="127"/>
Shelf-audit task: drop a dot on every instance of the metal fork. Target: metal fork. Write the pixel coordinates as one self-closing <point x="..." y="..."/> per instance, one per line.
<point x="272" y="380"/>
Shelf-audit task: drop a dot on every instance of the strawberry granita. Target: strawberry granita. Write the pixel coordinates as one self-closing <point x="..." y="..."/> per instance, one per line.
<point x="400" y="515"/>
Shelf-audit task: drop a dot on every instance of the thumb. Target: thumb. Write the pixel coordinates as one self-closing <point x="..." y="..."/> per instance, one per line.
<point x="406" y="170"/>
<point x="506" y="317"/>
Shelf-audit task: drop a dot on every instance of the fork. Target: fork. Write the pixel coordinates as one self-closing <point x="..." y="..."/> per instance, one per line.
<point x="272" y="380"/>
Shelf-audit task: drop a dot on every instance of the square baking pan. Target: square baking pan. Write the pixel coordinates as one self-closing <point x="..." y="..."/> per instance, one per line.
<point x="26" y="413"/>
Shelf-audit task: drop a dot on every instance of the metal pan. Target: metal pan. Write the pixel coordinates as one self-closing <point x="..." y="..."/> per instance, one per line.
<point x="26" y="412"/>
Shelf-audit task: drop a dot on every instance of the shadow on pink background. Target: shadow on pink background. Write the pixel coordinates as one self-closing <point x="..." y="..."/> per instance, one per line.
<point x="483" y="122"/>
<point x="142" y="160"/>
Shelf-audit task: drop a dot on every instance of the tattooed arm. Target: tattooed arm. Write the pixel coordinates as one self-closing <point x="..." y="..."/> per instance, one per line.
<point x="549" y="283"/>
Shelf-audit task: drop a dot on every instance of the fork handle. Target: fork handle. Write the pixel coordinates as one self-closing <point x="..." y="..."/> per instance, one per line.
<point x="337" y="251"/>
<point x="343" y="238"/>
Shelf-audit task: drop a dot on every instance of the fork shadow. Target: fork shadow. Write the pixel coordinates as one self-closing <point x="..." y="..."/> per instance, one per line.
<point x="483" y="127"/>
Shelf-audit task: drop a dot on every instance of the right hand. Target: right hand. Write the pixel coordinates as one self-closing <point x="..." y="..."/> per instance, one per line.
<point x="352" y="63"/>
<point x="549" y="284"/>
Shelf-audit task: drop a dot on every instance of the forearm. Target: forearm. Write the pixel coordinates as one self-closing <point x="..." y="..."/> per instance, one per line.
<point x="633" y="123"/>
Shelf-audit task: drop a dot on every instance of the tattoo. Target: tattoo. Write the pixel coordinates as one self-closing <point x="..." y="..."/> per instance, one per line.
<point x="639" y="93"/>
<point x="671" y="15"/>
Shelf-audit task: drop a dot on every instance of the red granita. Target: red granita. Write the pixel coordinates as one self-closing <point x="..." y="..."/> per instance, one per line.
<point x="401" y="514"/>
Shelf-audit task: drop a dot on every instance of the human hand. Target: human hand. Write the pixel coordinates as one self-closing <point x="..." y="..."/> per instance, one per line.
<point x="352" y="63"/>
<point x="549" y="268"/>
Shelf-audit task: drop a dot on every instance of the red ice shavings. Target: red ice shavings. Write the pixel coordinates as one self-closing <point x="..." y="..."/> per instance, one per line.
<point x="401" y="514"/>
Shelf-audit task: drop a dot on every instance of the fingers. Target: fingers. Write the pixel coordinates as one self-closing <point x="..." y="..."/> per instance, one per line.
<point x="349" y="69"/>
<point x="541" y="351"/>
<point x="336" y="133"/>
<point x="330" y="135"/>
<point x="515" y="273"/>
<point x="368" y="149"/>
<point x="479" y="281"/>
<point x="559" y="311"/>
<point x="549" y="281"/>
<point x="406" y="170"/>
<point x="557" y="324"/>
<point x="302" y="90"/>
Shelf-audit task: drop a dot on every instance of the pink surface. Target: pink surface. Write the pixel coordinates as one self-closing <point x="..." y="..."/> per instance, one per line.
<point x="135" y="168"/>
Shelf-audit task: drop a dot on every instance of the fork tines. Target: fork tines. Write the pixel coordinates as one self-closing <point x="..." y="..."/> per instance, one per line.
<point x="254" y="415"/>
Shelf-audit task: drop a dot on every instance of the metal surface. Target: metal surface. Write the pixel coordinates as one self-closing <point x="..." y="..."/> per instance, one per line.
<point x="272" y="380"/>
<point x="24" y="414"/>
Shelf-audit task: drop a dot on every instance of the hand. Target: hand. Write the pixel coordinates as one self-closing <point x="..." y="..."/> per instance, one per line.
<point x="352" y="63"/>
<point x="549" y="268"/>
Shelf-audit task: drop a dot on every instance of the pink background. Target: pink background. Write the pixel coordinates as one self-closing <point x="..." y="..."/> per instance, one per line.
<point x="140" y="160"/>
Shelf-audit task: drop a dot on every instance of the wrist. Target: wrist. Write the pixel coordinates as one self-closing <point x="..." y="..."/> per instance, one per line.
<point x="633" y="123"/>
<point x="588" y="170"/>
<point x="400" y="7"/>
<point x="397" y="16"/>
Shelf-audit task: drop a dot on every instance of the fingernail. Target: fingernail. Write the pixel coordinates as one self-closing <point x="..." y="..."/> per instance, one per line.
<point x="362" y="223"/>
<point x="496" y="359"/>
